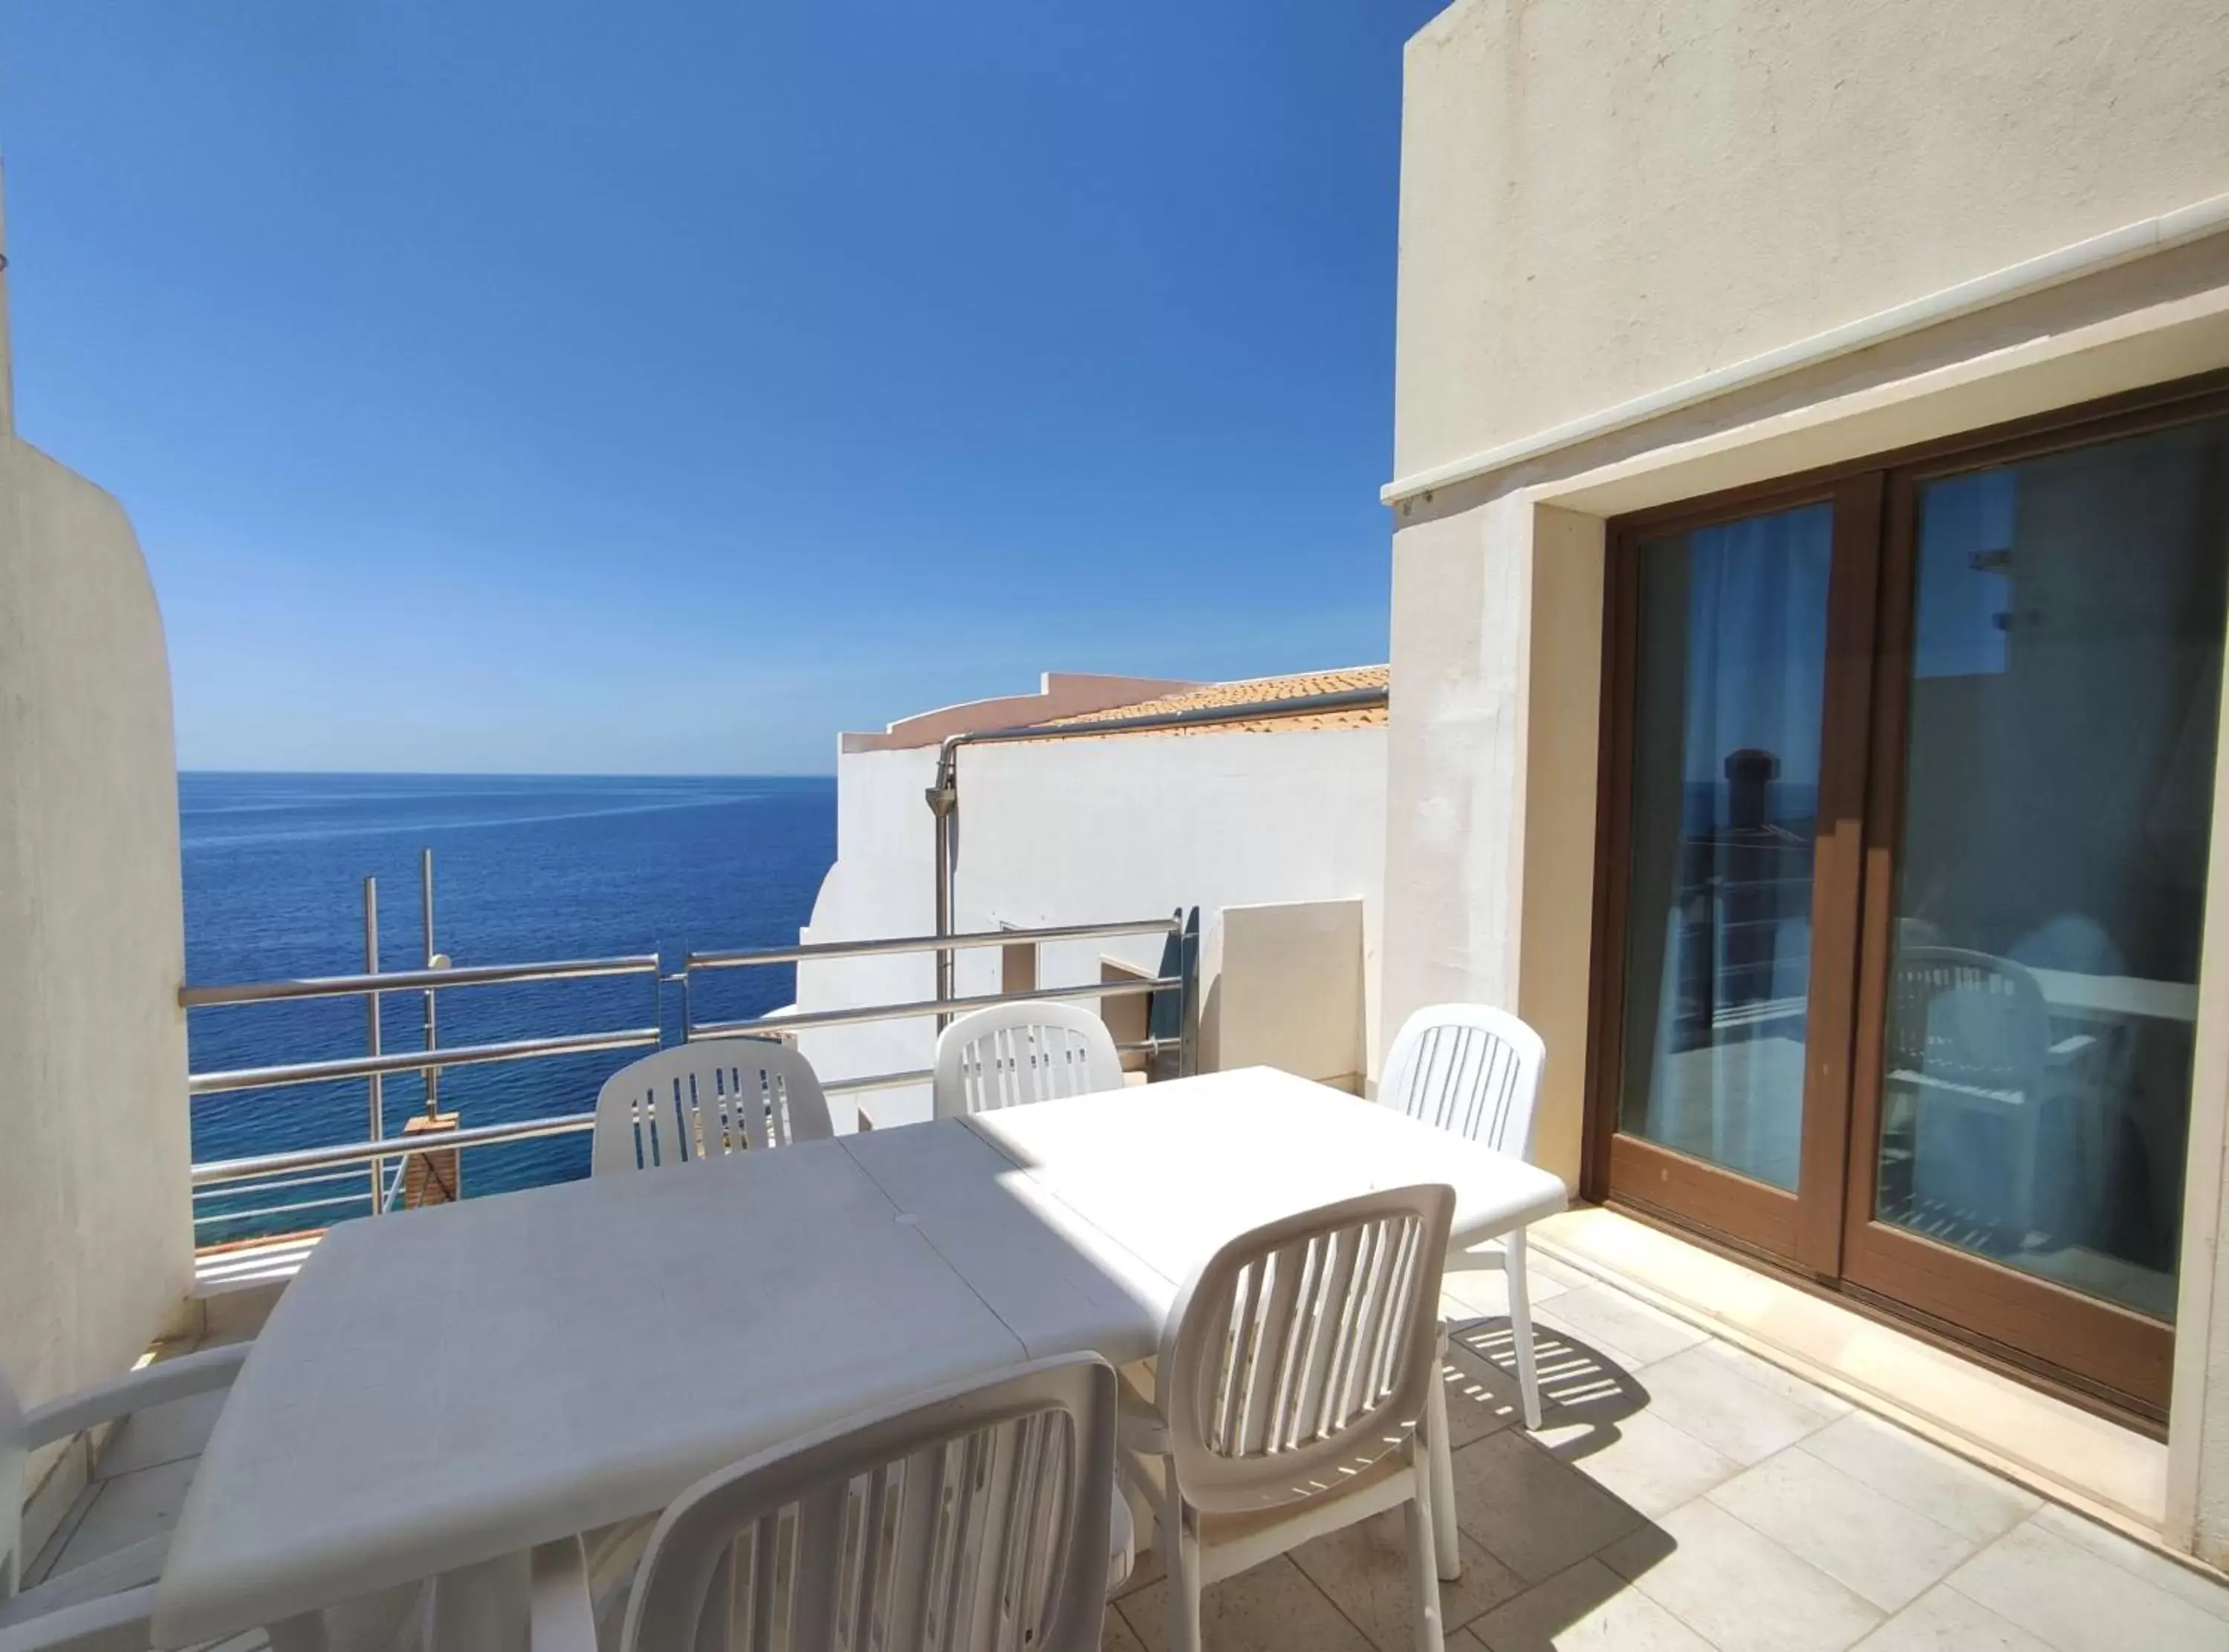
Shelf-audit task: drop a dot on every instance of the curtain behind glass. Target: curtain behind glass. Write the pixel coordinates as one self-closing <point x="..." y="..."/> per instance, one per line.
<point x="1732" y="682"/>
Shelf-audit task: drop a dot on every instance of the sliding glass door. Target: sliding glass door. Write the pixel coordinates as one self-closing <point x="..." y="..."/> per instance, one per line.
<point x="2046" y="747"/>
<point x="1908" y="790"/>
<point x="1741" y="646"/>
<point x="1732" y="682"/>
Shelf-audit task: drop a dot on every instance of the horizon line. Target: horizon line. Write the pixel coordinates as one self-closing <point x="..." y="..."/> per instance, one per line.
<point x="511" y="774"/>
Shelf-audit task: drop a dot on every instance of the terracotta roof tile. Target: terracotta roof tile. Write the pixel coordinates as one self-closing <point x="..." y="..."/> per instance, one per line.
<point x="1245" y="692"/>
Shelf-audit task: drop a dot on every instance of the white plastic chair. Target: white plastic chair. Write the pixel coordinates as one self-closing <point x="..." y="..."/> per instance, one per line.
<point x="1969" y="1034"/>
<point x="1475" y="1070"/>
<point x="703" y="1100"/>
<point x="976" y="1518"/>
<point x="107" y="1602"/>
<point x="1293" y="1396"/>
<point x="1010" y="1054"/>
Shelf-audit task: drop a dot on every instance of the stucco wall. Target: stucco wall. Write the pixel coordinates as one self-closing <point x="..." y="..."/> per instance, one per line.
<point x="1491" y="782"/>
<point x="1082" y="831"/>
<point x="1130" y="827"/>
<point x="1455" y="761"/>
<point x="1597" y="201"/>
<point x="882" y="885"/>
<point x="2198" y="1462"/>
<point x="1497" y="640"/>
<point x="95" y="1236"/>
<point x="1599" y="205"/>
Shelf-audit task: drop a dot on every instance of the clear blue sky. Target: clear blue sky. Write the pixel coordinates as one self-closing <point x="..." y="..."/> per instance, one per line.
<point x="662" y="388"/>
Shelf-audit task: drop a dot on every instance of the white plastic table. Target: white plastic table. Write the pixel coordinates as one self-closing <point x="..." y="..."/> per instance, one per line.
<point x="440" y="1391"/>
<point x="2118" y="997"/>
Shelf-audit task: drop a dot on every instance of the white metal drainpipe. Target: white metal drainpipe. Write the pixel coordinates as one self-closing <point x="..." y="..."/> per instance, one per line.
<point x="944" y="795"/>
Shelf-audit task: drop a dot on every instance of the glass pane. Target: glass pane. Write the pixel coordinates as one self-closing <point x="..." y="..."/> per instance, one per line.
<point x="2066" y="673"/>
<point x="1731" y="683"/>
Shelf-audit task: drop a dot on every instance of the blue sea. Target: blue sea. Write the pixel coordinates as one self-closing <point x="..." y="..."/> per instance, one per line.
<point x="525" y="869"/>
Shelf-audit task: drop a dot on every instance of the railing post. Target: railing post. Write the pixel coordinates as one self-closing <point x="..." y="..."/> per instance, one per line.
<point x="376" y="1110"/>
<point x="944" y="803"/>
<point x="433" y="961"/>
<point x="1188" y="994"/>
<point x="1173" y="1016"/>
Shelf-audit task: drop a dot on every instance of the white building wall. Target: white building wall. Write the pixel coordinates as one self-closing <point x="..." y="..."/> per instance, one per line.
<point x="1084" y="830"/>
<point x="1608" y="215"/>
<point x="96" y="1235"/>
<point x="881" y="886"/>
<point x="1599" y="201"/>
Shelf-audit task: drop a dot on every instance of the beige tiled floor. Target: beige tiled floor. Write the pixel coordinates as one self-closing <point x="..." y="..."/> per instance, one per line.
<point x="2092" y="1461"/>
<point x="1681" y="1496"/>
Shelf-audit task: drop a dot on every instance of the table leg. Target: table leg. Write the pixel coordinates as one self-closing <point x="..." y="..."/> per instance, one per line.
<point x="482" y="1608"/>
<point x="1520" y="1326"/>
<point x="1440" y="1478"/>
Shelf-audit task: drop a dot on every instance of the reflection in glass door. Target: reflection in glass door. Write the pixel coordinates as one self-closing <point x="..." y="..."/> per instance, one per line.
<point x="1730" y="684"/>
<point x="1907" y="784"/>
<point x="2059" y="738"/>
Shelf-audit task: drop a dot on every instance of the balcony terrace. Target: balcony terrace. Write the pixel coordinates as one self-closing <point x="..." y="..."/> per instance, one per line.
<point x="1682" y="1494"/>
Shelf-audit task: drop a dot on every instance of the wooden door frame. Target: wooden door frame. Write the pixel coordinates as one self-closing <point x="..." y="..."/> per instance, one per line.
<point x="2113" y="1353"/>
<point x="2126" y="1355"/>
<point x="1773" y="1222"/>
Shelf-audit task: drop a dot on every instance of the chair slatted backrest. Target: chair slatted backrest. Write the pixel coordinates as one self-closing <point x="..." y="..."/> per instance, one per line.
<point x="1013" y="1055"/>
<point x="974" y="1521"/>
<point x="702" y="1100"/>
<point x="1303" y="1350"/>
<point x="1966" y="1018"/>
<point x="1468" y="1068"/>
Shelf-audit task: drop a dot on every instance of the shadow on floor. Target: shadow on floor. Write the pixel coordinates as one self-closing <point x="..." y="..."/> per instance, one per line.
<point x="1543" y="1545"/>
<point x="1578" y="1384"/>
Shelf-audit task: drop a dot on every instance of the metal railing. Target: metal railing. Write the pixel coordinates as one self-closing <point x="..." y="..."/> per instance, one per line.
<point x="307" y="1178"/>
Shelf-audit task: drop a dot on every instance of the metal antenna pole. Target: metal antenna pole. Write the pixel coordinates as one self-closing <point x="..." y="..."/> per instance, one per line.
<point x="433" y="961"/>
<point x="376" y="1110"/>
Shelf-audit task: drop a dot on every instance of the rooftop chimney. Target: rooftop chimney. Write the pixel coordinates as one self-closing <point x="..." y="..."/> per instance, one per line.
<point x="1749" y="775"/>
